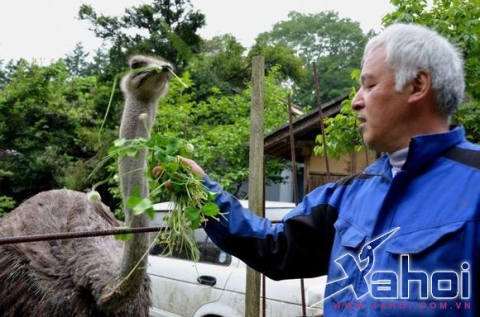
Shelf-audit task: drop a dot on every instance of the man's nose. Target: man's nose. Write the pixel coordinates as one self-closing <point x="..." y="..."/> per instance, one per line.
<point x="357" y="101"/>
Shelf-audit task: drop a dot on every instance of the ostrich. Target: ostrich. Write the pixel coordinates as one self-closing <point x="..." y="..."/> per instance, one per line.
<point x="90" y="276"/>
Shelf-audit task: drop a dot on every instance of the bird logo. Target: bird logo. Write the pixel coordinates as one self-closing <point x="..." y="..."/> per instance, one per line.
<point x="354" y="266"/>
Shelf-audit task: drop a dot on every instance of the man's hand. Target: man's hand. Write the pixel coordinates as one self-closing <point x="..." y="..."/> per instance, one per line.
<point x="191" y="164"/>
<point x="194" y="167"/>
<point x="157" y="171"/>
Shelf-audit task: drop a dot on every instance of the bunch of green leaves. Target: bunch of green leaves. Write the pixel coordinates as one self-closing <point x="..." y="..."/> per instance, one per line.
<point x="192" y="202"/>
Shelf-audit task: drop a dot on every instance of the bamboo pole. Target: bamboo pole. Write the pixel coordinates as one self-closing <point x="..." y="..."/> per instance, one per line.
<point x="256" y="175"/>
<point x="295" y="184"/>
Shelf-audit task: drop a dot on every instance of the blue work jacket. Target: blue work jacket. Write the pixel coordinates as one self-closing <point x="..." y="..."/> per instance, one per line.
<point x="401" y="246"/>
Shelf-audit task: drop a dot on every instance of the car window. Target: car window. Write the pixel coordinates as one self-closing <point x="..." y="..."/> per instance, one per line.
<point x="209" y="252"/>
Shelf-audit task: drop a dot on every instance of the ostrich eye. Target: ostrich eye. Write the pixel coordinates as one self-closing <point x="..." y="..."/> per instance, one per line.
<point x="138" y="64"/>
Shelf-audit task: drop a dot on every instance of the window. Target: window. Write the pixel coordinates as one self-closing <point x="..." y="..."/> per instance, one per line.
<point x="209" y="252"/>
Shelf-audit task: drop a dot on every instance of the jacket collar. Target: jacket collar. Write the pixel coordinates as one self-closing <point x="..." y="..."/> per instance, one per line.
<point x="422" y="149"/>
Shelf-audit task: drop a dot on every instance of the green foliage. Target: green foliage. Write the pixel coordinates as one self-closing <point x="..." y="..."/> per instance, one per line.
<point x="50" y="116"/>
<point x="213" y="112"/>
<point x="3" y="74"/>
<point x="220" y="63"/>
<point x="219" y="130"/>
<point x="47" y="118"/>
<point x="166" y="29"/>
<point x="334" y="44"/>
<point x="169" y="26"/>
<point x="76" y="62"/>
<point x="6" y="204"/>
<point x="342" y="134"/>
<point x="469" y="116"/>
<point x="457" y="20"/>
<point x="223" y="67"/>
<point x="283" y="59"/>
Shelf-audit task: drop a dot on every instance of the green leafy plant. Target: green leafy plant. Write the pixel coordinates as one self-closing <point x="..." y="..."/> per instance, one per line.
<point x="342" y="131"/>
<point x="6" y="204"/>
<point x="192" y="202"/>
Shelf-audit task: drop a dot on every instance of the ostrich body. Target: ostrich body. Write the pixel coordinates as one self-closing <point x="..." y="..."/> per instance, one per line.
<point x="89" y="276"/>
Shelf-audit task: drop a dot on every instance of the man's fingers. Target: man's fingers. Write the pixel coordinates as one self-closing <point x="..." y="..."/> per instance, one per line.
<point x="157" y="171"/>
<point x="186" y="161"/>
<point x="192" y="165"/>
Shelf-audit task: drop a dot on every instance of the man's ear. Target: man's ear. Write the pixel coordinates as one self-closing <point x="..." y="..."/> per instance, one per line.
<point x="420" y="86"/>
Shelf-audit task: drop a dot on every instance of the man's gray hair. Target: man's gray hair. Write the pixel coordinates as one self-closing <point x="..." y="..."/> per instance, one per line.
<point x="410" y="48"/>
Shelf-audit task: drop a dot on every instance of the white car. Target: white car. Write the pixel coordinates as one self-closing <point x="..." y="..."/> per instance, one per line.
<point x="215" y="285"/>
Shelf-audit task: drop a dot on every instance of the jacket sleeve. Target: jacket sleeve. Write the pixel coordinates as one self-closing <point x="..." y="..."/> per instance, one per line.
<point x="298" y="247"/>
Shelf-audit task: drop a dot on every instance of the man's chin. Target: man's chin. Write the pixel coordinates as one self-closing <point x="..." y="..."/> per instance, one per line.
<point x="368" y="142"/>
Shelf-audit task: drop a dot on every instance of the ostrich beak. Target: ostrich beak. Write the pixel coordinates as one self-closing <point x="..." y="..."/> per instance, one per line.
<point x="167" y="68"/>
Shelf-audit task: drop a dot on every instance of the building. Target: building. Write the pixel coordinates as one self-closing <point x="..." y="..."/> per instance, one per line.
<point x="313" y="171"/>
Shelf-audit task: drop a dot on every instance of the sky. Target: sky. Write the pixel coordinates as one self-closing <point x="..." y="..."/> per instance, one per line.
<point x="46" y="30"/>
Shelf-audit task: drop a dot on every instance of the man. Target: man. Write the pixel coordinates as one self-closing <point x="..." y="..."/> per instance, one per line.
<point x="401" y="238"/>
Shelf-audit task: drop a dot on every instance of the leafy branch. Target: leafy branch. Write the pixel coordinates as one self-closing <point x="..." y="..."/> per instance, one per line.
<point x="192" y="202"/>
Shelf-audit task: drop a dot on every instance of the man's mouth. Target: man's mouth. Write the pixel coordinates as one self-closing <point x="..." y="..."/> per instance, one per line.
<point x="362" y="122"/>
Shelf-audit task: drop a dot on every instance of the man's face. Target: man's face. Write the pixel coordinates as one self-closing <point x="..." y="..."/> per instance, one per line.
<point x="382" y="111"/>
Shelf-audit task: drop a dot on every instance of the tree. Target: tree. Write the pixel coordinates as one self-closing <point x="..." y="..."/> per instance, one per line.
<point x="334" y="44"/>
<point x="165" y="28"/>
<point x="48" y="122"/>
<point x="76" y="62"/>
<point x="289" y="67"/>
<point x="3" y="75"/>
<point x="5" y="72"/>
<point x="221" y="63"/>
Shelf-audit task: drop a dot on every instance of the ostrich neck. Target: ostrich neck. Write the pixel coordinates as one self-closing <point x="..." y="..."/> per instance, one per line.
<point x="132" y="175"/>
<point x="131" y="127"/>
<point x="132" y="169"/>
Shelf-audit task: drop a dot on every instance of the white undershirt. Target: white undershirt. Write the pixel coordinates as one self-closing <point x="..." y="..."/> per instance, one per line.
<point x="397" y="160"/>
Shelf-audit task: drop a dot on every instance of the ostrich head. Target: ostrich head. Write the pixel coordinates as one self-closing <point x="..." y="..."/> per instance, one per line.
<point x="142" y="88"/>
<point x="147" y="78"/>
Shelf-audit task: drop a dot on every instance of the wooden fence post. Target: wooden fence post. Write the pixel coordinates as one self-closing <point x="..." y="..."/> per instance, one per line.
<point x="256" y="174"/>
